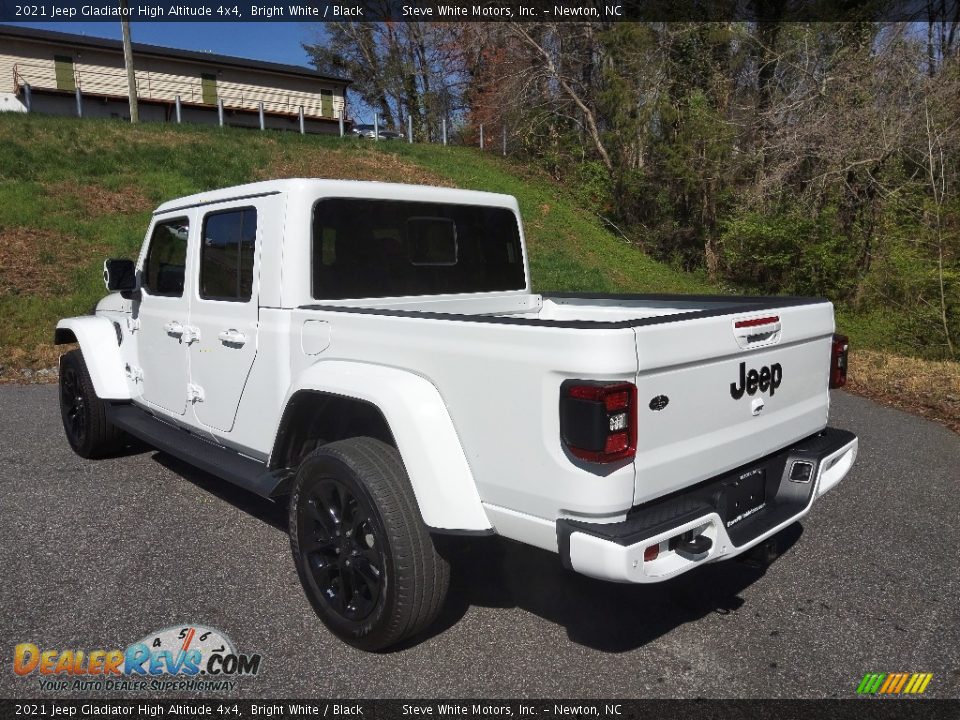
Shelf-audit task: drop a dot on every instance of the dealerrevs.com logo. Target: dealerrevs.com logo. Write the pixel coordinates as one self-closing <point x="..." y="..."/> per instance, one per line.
<point x="190" y="658"/>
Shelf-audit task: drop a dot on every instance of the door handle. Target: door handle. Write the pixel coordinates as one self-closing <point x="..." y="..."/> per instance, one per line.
<point x="191" y="333"/>
<point x="174" y="328"/>
<point x="232" y="337"/>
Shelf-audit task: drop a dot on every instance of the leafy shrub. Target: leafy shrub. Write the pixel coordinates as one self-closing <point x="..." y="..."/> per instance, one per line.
<point x="788" y="253"/>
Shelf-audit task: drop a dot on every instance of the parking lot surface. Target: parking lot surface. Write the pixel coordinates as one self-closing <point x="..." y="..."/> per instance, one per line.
<point x="96" y="555"/>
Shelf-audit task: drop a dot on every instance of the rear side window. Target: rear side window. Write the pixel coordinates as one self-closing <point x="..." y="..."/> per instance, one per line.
<point x="226" y="255"/>
<point x="163" y="272"/>
<point x="366" y="248"/>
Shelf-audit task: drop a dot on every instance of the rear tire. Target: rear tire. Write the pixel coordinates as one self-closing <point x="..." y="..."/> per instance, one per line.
<point x="364" y="556"/>
<point x="84" y="415"/>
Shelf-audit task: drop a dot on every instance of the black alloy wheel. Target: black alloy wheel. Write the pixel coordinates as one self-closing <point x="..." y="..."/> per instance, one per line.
<point x="365" y="558"/>
<point x="341" y="542"/>
<point x="73" y="407"/>
<point x="85" y="420"/>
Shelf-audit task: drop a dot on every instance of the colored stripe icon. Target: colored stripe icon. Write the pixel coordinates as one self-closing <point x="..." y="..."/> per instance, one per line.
<point x="894" y="683"/>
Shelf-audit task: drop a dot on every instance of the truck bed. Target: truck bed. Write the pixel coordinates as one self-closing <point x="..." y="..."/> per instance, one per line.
<point x="516" y="348"/>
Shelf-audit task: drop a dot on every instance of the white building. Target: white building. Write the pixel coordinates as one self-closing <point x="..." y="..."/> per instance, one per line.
<point x="65" y="74"/>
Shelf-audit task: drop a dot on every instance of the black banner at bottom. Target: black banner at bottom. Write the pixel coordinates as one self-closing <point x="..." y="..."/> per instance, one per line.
<point x="485" y="709"/>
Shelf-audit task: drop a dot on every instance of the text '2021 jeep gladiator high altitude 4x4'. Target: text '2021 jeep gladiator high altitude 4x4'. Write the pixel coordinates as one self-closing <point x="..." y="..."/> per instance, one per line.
<point x="375" y="354"/>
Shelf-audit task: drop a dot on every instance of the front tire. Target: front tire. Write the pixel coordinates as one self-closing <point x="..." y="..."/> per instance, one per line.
<point x="84" y="415"/>
<point x="364" y="556"/>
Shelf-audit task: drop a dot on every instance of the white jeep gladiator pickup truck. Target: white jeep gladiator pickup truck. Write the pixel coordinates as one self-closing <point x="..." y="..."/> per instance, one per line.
<point x="374" y="355"/>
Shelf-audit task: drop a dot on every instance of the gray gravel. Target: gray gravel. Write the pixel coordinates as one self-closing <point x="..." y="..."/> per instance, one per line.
<point x="98" y="554"/>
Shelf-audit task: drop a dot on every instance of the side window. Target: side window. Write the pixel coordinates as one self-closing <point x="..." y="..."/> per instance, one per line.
<point x="226" y="255"/>
<point x="163" y="271"/>
<point x="208" y="88"/>
<point x="63" y="69"/>
<point x="326" y="102"/>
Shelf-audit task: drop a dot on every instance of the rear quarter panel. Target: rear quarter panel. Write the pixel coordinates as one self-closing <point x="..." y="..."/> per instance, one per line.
<point x="500" y="384"/>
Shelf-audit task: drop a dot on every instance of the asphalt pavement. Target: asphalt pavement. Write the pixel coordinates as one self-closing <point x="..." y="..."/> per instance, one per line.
<point x="96" y="555"/>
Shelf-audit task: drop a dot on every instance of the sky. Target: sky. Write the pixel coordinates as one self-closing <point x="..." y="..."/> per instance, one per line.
<point x="270" y="41"/>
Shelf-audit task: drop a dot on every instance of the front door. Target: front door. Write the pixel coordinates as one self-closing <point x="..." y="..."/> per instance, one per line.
<point x="164" y="314"/>
<point x="224" y="310"/>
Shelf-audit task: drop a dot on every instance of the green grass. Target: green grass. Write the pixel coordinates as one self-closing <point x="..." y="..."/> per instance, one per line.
<point x="73" y="192"/>
<point x="83" y="190"/>
<point x="569" y="248"/>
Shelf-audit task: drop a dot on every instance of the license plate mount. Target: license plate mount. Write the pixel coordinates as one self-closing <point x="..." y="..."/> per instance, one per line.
<point x="745" y="495"/>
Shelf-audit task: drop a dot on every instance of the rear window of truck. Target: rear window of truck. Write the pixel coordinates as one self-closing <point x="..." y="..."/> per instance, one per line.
<point x="387" y="248"/>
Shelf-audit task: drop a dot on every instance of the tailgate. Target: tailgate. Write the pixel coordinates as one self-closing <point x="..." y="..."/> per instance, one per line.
<point x="717" y="392"/>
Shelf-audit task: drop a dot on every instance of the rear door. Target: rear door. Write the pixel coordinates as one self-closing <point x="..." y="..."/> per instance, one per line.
<point x="224" y="308"/>
<point x="715" y="393"/>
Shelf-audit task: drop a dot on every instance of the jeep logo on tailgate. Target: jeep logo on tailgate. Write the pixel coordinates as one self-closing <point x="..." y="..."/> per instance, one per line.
<point x="764" y="378"/>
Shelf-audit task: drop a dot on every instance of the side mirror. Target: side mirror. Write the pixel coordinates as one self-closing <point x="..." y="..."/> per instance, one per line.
<point x="119" y="275"/>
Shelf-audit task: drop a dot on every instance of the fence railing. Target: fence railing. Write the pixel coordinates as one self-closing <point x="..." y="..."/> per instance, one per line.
<point x="159" y="87"/>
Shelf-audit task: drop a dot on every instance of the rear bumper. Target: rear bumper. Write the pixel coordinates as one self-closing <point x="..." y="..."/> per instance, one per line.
<point x="615" y="551"/>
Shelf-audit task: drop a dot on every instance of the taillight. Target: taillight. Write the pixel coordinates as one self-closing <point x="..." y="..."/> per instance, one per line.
<point x="598" y="421"/>
<point x="838" y="361"/>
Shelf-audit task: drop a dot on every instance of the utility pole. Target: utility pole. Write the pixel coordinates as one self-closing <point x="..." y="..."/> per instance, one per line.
<point x="128" y="62"/>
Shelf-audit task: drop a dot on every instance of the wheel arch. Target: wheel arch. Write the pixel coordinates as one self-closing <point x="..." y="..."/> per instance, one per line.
<point x="64" y="336"/>
<point x="399" y="408"/>
<point x="101" y="353"/>
<point x="315" y="417"/>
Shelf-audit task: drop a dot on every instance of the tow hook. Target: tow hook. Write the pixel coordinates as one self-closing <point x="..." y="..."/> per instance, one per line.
<point x="691" y="545"/>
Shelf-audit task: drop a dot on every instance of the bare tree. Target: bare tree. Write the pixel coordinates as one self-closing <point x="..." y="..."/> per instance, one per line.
<point x="937" y="178"/>
<point x="571" y="87"/>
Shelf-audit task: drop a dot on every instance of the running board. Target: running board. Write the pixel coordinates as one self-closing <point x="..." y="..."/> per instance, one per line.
<point x="227" y="464"/>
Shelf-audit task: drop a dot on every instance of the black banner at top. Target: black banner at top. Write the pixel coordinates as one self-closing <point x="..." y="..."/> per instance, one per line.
<point x="531" y="11"/>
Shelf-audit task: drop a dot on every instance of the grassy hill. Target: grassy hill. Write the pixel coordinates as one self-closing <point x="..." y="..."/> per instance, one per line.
<point x="73" y="192"/>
